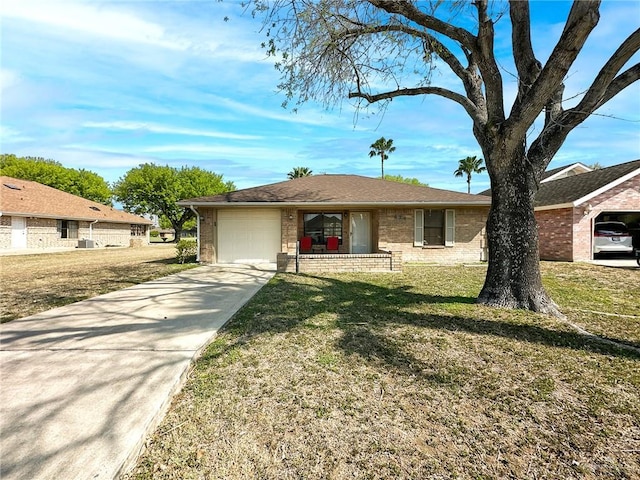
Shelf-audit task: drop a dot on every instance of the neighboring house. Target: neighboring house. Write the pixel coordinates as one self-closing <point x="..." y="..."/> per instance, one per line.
<point x="563" y="172"/>
<point x="33" y="215"/>
<point x="567" y="207"/>
<point x="378" y="224"/>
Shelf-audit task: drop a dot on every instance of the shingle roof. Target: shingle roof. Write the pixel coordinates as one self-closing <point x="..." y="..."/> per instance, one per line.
<point x="342" y="190"/>
<point x="554" y="171"/>
<point x="26" y="198"/>
<point x="573" y="189"/>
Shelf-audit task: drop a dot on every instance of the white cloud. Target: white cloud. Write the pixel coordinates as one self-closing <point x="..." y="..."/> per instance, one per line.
<point x="155" y="128"/>
<point x="92" y="20"/>
<point x="11" y="135"/>
<point x="8" y="79"/>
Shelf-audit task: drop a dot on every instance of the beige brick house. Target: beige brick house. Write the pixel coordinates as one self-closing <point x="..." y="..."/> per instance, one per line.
<point x="340" y="223"/>
<point x="35" y="216"/>
<point x="572" y="199"/>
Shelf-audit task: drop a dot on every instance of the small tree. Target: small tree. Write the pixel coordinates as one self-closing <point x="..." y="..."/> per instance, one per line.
<point x="381" y="147"/>
<point x="468" y="166"/>
<point x="299" y="172"/>
<point x="155" y="190"/>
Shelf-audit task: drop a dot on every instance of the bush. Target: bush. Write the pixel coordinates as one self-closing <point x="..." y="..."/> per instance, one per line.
<point x="186" y="250"/>
<point x="154" y="233"/>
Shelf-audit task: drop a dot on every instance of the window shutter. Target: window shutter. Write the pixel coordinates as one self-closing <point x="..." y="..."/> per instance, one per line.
<point x="449" y="228"/>
<point x="418" y="235"/>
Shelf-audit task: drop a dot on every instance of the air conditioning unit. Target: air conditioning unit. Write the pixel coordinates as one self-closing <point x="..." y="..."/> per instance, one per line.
<point x="84" y="243"/>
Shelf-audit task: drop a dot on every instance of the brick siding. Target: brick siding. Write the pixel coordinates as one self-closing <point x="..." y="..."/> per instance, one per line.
<point x="392" y="230"/>
<point x="566" y="234"/>
<point x="337" y="263"/>
<point x="555" y="233"/>
<point x="43" y="233"/>
<point x="396" y="233"/>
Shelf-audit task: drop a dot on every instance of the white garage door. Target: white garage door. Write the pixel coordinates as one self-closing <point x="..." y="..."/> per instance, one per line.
<point x="248" y="235"/>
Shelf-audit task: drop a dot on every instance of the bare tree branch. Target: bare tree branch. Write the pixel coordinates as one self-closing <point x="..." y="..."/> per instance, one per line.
<point x="410" y="12"/>
<point x="443" y="92"/>
<point x="488" y="66"/>
<point x="595" y="95"/>
<point x="582" y="19"/>
<point x="527" y="65"/>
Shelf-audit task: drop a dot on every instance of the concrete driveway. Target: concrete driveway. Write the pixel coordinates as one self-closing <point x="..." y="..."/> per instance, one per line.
<point x="83" y="385"/>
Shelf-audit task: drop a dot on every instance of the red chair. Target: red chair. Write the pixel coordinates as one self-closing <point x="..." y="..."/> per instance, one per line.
<point x="305" y="244"/>
<point x="332" y="244"/>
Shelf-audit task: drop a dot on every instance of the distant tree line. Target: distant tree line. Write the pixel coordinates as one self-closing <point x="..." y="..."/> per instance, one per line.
<point x="81" y="182"/>
<point x="146" y="189"/>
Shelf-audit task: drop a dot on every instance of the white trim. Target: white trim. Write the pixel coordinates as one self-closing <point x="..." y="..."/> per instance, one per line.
<point x="449" y="227"/>
<point x="609" y="186"/>
<point x="554" y="207"/>
<point x="566" y="169"/>
<point x="418" y="227"/>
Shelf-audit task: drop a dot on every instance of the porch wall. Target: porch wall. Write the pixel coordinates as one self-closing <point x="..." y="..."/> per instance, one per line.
<point x="337" y="263"/>
<point x="396" y="233"/>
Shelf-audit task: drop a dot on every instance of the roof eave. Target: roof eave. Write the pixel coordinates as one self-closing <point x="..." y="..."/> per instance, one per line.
<point x="330" y="204"/>
<point x="606" y="187"/>
<point x="554" y="207"/>
<point x="64" y="217"/>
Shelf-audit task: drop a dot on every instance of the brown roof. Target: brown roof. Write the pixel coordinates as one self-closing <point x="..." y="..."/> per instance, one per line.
<point x="342" y="190"/>
<point x="26" y="198"/>
<point x="575" y="188"/>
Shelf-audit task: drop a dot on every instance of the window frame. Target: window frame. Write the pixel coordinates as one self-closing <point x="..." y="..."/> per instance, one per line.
<point x="138" y="230"/>
<point x="448" y="228"/>
<point x="68" y="229"/>
<point x="324" y="228"/>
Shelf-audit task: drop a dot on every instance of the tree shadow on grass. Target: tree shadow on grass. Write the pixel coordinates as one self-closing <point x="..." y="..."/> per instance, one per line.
<point x="363" y="309"/>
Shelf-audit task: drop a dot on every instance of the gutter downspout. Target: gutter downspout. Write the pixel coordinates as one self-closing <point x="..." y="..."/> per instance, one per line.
<point x="197" y="232"/>
<point x="91" y="229"/>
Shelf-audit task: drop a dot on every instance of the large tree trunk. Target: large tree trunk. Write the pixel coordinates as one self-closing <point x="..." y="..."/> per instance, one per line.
<point x="513" y="277"/>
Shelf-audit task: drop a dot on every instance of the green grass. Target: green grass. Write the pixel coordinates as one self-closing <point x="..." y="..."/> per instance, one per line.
<point x="403" y="376"/>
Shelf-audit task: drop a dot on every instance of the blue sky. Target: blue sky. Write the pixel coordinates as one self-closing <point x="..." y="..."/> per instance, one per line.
<point x="109" y="85"/>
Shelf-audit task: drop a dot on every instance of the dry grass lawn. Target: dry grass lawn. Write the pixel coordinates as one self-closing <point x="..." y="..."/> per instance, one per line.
<point x="35" y="283"/>
<point x="404" y="377"/>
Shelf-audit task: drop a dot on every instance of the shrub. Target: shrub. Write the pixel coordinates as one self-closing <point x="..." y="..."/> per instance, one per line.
<point x="186" y="250"/>
<point x="154" y="233"/>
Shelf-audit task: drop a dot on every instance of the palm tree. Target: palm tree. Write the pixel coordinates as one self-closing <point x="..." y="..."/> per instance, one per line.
<point x="298" y="172"/>
<point x="467" y="166"/>
<point x="381" y="147"/>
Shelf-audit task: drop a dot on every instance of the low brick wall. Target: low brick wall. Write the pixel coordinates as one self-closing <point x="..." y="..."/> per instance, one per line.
<point x="335" y="263"/>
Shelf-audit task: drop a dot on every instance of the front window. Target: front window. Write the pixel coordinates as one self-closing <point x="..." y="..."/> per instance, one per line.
<point x="434" y="227"/>
<point x="320" y="226"/>
<point x="138" y="230"/>
<point x="68" y="228"/>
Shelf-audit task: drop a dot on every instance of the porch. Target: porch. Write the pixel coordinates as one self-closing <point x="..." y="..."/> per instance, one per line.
<point x="339" y="262"/>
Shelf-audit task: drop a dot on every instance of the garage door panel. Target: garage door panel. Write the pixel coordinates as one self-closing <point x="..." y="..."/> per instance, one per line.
<point x="248" y="235"/>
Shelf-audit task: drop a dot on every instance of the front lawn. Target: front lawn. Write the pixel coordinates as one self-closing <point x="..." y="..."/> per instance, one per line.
<point x="403" y="376"/>
<point x="38" y="282"/>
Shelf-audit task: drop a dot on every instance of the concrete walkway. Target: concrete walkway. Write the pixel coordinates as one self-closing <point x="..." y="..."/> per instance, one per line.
<point x="81" y="386"/>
